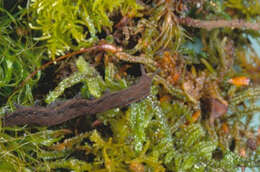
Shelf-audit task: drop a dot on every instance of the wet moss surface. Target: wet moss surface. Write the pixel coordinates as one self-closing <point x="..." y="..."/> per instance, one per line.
<point x="197" y="117"/>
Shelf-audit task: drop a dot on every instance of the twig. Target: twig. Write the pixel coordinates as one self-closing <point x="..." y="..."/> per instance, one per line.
<point x="104" y="47"/>
<point x="117" y="51"/>
<point x="212" y="24"/>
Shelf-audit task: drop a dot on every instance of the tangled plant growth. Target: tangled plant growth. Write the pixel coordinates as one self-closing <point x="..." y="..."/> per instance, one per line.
<point x="19" y="57"/>
<point x="201" y="110"/>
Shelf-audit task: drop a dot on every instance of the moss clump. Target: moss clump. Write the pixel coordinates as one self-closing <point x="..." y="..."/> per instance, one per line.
<point x="69" y="25"/>
<point x="198" y="117"/>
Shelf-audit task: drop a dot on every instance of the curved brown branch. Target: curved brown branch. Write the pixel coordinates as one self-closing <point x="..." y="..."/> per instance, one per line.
<point x="103" y="46"/>
<point x="212" y="24"/>
<point x="117" y="51"/>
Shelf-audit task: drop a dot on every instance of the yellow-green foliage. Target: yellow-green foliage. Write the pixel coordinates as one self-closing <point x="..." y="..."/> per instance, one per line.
<point x="158" y="133"/>
<point x="247" y="8"/>
<point x="21" y="152"/>
<point x="18" y="59"/>
<point x="61" y="23"/>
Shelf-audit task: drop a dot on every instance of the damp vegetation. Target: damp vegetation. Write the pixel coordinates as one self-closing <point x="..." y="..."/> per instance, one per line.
<point x="199" y="114"/>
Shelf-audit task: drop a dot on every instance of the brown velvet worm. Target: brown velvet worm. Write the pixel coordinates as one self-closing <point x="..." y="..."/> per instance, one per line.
<point x="73" y="108"/>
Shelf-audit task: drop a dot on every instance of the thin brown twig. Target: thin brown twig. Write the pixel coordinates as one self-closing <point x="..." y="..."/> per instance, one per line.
<point x="212" y="24"/>
<point x="105" y="47"/>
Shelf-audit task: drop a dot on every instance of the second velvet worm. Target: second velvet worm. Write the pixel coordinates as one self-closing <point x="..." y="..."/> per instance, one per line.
<point x="70" y="109"/>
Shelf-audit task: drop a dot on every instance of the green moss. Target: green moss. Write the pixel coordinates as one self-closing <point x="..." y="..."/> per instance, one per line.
<point x="248" y="8"/>
<point x="160" y="132"/>
<point x="19" y="57"/>
<point x="63" y="22"/>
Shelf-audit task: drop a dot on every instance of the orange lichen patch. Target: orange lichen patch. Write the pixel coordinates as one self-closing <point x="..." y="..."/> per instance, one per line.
<point x="165" y="98"/>
<point x="169" y="68"/>
<point x="167" y="62"/>
<point x="175" y="77"/>
<point x="225" y="128"/>
<point x="136" y="167"/>
<point x="195" y="116"/>
<point x="242" y="152"/>
<point x="58" y="147"/>
<point x="239" y="81"/>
